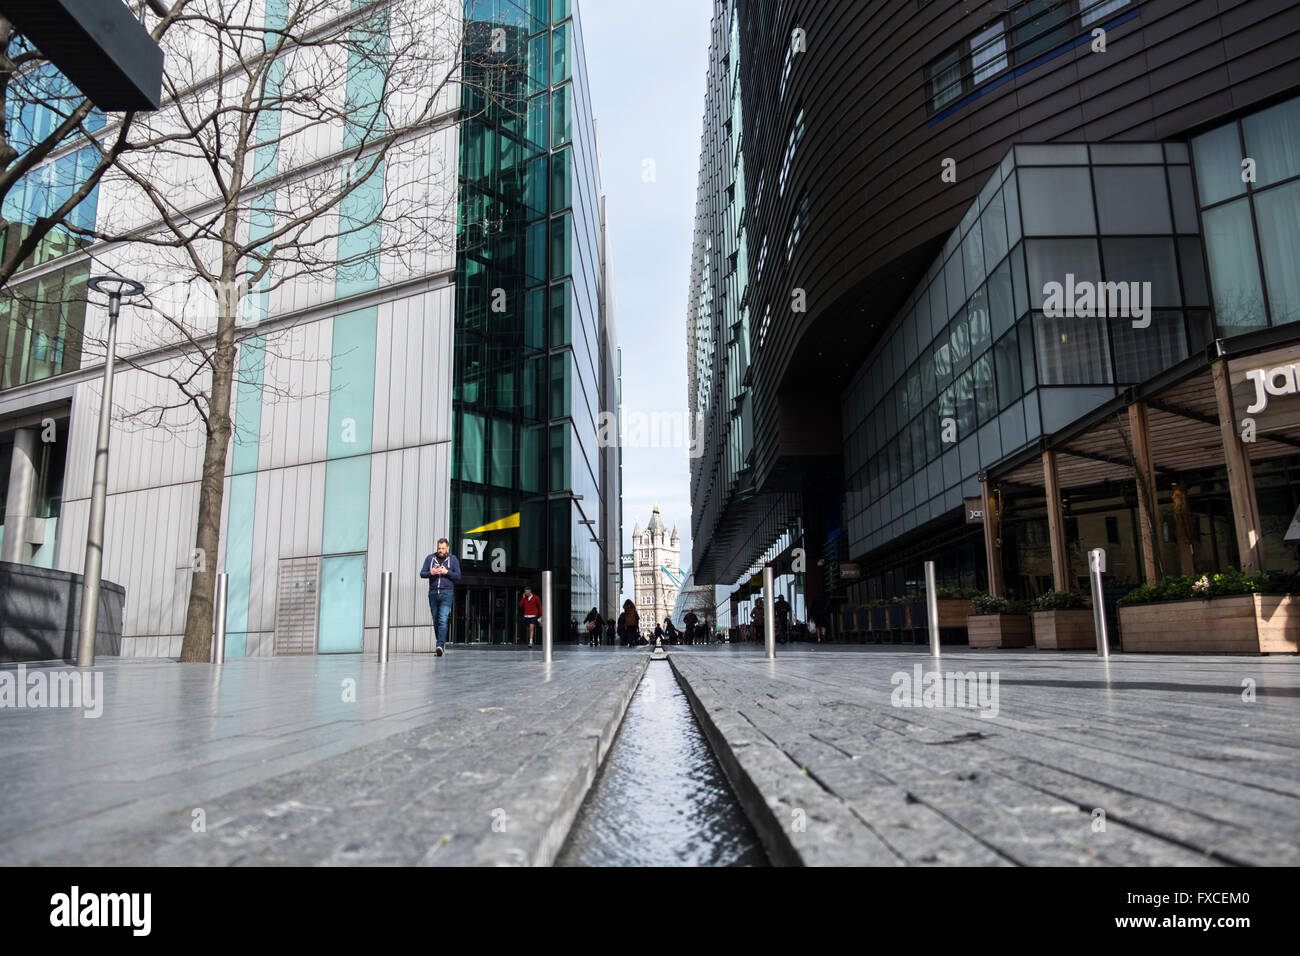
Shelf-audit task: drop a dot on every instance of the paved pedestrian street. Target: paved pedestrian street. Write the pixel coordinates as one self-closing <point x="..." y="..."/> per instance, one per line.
<point x="1145" y="760"/>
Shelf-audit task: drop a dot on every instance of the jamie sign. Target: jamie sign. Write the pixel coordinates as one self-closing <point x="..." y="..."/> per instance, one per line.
<point x="1264" y="388"/>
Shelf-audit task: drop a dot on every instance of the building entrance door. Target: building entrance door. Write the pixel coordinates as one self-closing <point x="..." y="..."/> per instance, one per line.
<point x="487" y="614"/>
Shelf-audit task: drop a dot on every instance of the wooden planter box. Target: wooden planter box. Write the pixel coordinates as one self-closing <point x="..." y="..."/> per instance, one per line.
<point x="1065" y="630"/>
<point x="954" y="611"/>
<point x="1244" y="624"/>
<point x="998" y="630"/>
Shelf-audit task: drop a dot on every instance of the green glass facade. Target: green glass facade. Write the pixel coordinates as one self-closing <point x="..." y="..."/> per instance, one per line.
<point x="529" y="325"/>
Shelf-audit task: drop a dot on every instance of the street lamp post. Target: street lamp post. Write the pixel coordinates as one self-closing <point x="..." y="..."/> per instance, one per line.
<point x="116" y="289"/>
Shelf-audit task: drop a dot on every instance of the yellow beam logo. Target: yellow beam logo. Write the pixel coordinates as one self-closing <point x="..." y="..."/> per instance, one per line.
<point x="511" y="522"/>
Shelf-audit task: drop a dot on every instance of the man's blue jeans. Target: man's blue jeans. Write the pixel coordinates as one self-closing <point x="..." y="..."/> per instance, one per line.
<point x="440" y="608"/>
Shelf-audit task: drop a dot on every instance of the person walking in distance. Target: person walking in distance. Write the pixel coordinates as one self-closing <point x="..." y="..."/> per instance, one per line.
<point x="443" y="571"/>
<point x="532" y="606"/>
<point x="629" y="624"/>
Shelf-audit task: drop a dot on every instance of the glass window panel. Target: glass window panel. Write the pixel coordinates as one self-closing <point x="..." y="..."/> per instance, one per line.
<point x="972" y="252"/>
<point x="1038" y="26"/>
<point x="1090" y="11"/>
<point x="1278" y="212"/>
<point x="535" y="261"/>
<point x="933" y="431"/>
<point x="472" y="449"/>
<point x="1028" y="376"/>
<point x="964" y="398"/>
<point x="1072" y="351"/>
<point x="1193" y="267"/>
<point x="977" y="314"/>
<point x="993" y="224"/>
<point x="1052" y="260"/>
<point x="1018" y="281"/>
<point x="1217" y="156"/>
<point x="1180" y="188"/>
<point x="559" y="458"/>
<point x="944" y="76"/>
<point x="535" y="318"/>
<point x="560" y="9"/>
<point x="986" y="403"/>
<point x="1056" y="201"/>
<point x="560" y="385"/>
<point x="503" y="453"/>
<point x="929" y="386"/>
<point x="1273" y="142"/>
<point x="959" y="344"/>
<point x="942" y="363"/>
<point x="988" y="52"/>
<point x="560" y="247"/>
<point x="537" y="130"/>
<point x="1131" y="200"/>
<point x="1002" y="309"/>
<point x="938" y="307"/>
<point x="1006" y="360"/>
<point x="561" y="57"/>
<point x="956" y="286"/>
<point x="561" y="316"/>
<point x="1143" y="353"/>
<point x="1234" y="268"/>
<point x="561" y="113"/>
<point x="1130" y="154"/>
<point x="1011" y="200"/>
<point x="561" y="179"/>
<point x="535" y="202"/>
<point x="1144" y="260"/>
<point x="539" y="58"/>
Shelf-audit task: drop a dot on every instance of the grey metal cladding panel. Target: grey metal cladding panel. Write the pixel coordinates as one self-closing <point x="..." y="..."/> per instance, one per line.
<point x="297" y="606"/>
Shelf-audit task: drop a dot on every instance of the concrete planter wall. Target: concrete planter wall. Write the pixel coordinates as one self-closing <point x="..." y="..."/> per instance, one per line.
<point x="40" y="614"/>
<point x="1243" y="624"/>
<point x="1064" y="630"/>
<point x="998" y="630"/>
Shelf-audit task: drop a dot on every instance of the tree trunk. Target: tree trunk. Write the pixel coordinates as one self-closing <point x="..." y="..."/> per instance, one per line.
<point x="197" y="645"/>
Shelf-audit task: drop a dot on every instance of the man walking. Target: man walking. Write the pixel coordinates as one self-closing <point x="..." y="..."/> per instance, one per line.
<point x="443" y="571"/>
<point x="532" y="607"/>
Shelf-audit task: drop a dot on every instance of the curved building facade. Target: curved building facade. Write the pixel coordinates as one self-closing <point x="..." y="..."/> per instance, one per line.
<point x="848" y="150"/>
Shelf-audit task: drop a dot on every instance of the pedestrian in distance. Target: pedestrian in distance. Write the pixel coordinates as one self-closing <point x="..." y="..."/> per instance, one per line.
<point x="595" y="627"/>
<point x="532" y="607"/>
<point x="690" y="620"/>
<point x="443" y="571"/>
<point x="629" y="625"/>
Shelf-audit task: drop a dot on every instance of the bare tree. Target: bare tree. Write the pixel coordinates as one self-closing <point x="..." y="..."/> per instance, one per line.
<point x="45" y="116"/>
<point x="296" y="155"/>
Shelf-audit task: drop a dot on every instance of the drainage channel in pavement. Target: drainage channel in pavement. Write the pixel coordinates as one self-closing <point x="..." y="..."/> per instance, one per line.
<point x="661" y="798"/>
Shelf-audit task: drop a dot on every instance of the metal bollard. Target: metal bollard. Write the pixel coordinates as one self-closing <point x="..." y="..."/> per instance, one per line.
<point x="219" y="635"/>
<point x="769" y="613"/>
<point x="385" y="596"/>
<point x="1096" y="567"/>
<point x="546" y="617"/>
<point x="932" y="607"/>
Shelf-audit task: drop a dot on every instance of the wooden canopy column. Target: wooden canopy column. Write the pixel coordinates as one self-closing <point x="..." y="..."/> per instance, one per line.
<point x="1183" y="529"/>
<point x="1241" y="479"/>
<point x="1148" y="497"/>
<point x="992" y="539"/>
<point x="1055" y="524"/>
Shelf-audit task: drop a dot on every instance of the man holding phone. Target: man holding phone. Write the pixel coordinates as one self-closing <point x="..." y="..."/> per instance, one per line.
<point x="443" y="571"/>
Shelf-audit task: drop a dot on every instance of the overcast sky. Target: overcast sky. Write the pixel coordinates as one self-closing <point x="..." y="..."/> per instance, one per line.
<point x="646" y="62"/>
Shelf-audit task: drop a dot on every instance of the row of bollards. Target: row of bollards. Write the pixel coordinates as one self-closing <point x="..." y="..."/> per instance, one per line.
<point x="1096" y="568"/>
<point x="385" y="603"/>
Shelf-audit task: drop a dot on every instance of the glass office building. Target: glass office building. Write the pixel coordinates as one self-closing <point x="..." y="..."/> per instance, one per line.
<point x="396" y="393"/>
<point x="532" y="343"/>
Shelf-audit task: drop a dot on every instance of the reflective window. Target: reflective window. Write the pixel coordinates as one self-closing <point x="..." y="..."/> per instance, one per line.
<point x="944" y="78"/>
<point x="1006" y="360"/>
<point x="1278" y="211"/>
<point x="1057" y="201"/>
<point x="1072" y="351"/>
<point x="1273" y="141"/>
<point x="988" y="53"/>
<point x="1143" y="353"/>
<point x="1131" y="200"/>
<point x="561" y="179"/>
<point x="1234" y="268"/>
<point x="1053" y="260"/>
<point x="1090" y="11"/>
<point x="1144" y="260"/>
<point x="1038" y="26"/>
<point x="1217" y="157"/>
<point x="561" y="55"/>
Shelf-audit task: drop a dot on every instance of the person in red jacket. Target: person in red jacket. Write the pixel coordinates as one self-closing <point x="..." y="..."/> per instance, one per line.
<point x="532" y="606"/>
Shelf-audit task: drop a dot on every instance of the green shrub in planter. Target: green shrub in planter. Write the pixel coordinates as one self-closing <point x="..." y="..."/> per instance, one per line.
<point x="988" y="604"/>
<point x="960" y="594"/>
<point x="1060" y="601"/>
<point x="1229" y="583"/>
